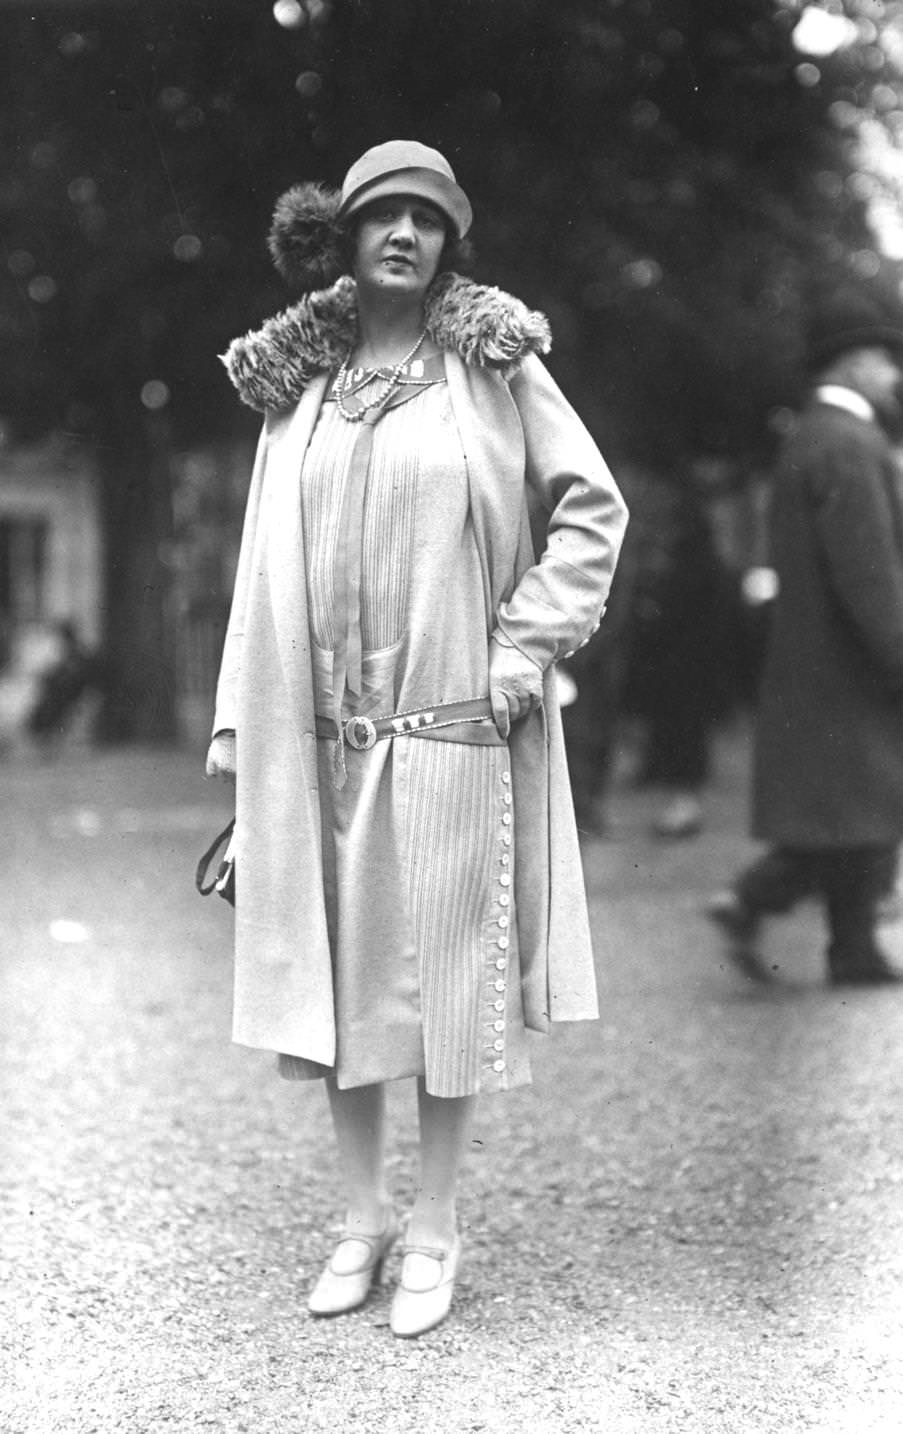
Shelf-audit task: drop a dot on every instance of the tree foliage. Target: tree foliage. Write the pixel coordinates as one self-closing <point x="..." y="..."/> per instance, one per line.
<point x="668" y="179"/>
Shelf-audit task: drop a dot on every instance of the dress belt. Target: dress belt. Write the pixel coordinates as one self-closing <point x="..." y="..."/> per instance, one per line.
<point x="362" y="733"/>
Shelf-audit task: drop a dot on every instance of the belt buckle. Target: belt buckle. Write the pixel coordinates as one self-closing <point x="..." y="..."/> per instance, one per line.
<point x="359" y="733"/>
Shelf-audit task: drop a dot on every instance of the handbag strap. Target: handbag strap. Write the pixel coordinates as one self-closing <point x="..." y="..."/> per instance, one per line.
<point x="200" y="878"/>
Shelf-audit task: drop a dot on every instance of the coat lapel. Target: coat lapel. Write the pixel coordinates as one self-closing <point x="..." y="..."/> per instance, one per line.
<point x="290" y="434"/>
<point x="494" y="455"/>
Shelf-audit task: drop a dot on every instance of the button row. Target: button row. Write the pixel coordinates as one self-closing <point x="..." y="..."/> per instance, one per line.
<point x="502" y="942"/>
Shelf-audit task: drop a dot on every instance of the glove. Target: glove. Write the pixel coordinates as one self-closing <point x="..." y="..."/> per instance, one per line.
<point x="221" y="757"/>
<point x="515" y="684"/>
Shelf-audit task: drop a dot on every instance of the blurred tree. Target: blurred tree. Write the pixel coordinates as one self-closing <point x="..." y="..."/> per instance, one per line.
<point x="141" y="155"/>
<point x="667" y="178"/>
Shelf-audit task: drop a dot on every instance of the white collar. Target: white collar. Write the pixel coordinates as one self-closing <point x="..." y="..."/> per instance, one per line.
<point x="840" y="396"/>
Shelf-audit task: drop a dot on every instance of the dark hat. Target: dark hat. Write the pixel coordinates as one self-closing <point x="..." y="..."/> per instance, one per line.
<point x="404" y="166"/>
<point x="851" y="320"/>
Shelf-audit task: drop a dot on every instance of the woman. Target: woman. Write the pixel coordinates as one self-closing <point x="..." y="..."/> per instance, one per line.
<point x="387" y="698"/>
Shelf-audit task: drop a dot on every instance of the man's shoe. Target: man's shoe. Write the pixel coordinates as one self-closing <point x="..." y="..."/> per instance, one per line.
<point x="741" y="927"/>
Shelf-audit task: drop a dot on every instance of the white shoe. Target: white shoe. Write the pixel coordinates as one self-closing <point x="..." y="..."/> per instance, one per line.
<point x="338" y="1291"/>
<point x="423" y="1297"/>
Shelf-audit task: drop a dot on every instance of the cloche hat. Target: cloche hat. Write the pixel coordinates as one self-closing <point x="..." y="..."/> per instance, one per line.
<point x="403" y="166"/>
<point x="308" y="235"/>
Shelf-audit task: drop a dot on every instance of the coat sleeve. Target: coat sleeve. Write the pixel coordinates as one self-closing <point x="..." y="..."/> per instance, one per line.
<point x="858" y="524"/>
<point x="225" y="718"/>
<point x="559" y="601"/>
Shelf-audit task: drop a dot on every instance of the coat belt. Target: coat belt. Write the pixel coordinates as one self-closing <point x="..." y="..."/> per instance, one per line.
<point x="362" y="733"/>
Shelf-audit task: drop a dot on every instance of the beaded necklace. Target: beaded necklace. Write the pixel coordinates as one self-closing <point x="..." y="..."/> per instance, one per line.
<point x="342" y="387"/>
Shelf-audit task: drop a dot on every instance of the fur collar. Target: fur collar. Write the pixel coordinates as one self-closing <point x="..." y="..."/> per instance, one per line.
<point x="487" y="328"/>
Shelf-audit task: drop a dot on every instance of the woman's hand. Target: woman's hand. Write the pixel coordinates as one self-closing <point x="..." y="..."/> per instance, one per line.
<point x="515" y="684"/>
<point x="221" y="757"/>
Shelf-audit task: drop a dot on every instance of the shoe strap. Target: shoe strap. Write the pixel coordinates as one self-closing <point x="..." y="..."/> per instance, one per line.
<point x="430" y="1251"/>
<point x="377" y="1248"/>
<point x="372" y="1240"/>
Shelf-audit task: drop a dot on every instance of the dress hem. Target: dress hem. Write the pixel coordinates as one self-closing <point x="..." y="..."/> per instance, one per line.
<point x="298" y="1068"/>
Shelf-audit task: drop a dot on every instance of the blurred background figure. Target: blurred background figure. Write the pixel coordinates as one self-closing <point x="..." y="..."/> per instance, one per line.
<point x="680" y="638"/>
<point x="46" y="686"/>
<point x="592" y="679"/>
<point x="675" y="656"/>
<point x="29" y="649"/>
<point x="71" y="674"/>
<point x="828" y="763"/>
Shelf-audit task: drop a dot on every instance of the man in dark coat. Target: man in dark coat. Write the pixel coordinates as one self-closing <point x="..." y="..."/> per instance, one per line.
<point x="828" y="766"/>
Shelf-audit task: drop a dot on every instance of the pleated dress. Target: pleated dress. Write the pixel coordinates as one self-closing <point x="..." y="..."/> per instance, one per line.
<point x="417" y="833"/>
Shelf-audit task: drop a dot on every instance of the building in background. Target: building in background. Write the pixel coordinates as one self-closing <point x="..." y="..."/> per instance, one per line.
<point x="52" y="569"/>
<point x="209" y="490"/>
<point x="51" y="548"/>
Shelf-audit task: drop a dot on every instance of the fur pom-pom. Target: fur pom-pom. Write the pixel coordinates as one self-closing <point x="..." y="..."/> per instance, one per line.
<point x="306" y="239"/>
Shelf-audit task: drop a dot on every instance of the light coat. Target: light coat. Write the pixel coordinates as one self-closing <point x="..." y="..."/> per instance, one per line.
<point x="518" y="434"/>
<point x="829" y="753"/>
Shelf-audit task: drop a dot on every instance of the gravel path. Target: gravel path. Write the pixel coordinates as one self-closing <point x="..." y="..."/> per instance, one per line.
<point x="693" y="1221"/>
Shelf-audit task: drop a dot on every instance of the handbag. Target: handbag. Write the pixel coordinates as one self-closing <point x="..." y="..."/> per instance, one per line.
<point x="223" y="882"/>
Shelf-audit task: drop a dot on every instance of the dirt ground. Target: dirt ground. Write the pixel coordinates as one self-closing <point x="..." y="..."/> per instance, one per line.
<point x="692" y="1221"/>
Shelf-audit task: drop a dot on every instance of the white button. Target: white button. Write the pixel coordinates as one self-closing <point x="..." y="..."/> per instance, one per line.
<point x="506" y="776"/>
<point x="504" y="879"/>
<point x="503" y="921"/>
<point x="504" y="899"/>
<point x="498" y="1066"/>
<point x="500" y="985"/>
<point x="498" y="1045"/>
<point x="498" y="1025"/>
<point x="501" y="963"/>
<point x="503" y="943"/>
<point x="506" y="860"/>
<point x="506" y="839"/>
<point x="498" y="1005"/>
<point x="507" y="799"/>
<point x="506" y="818"/>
